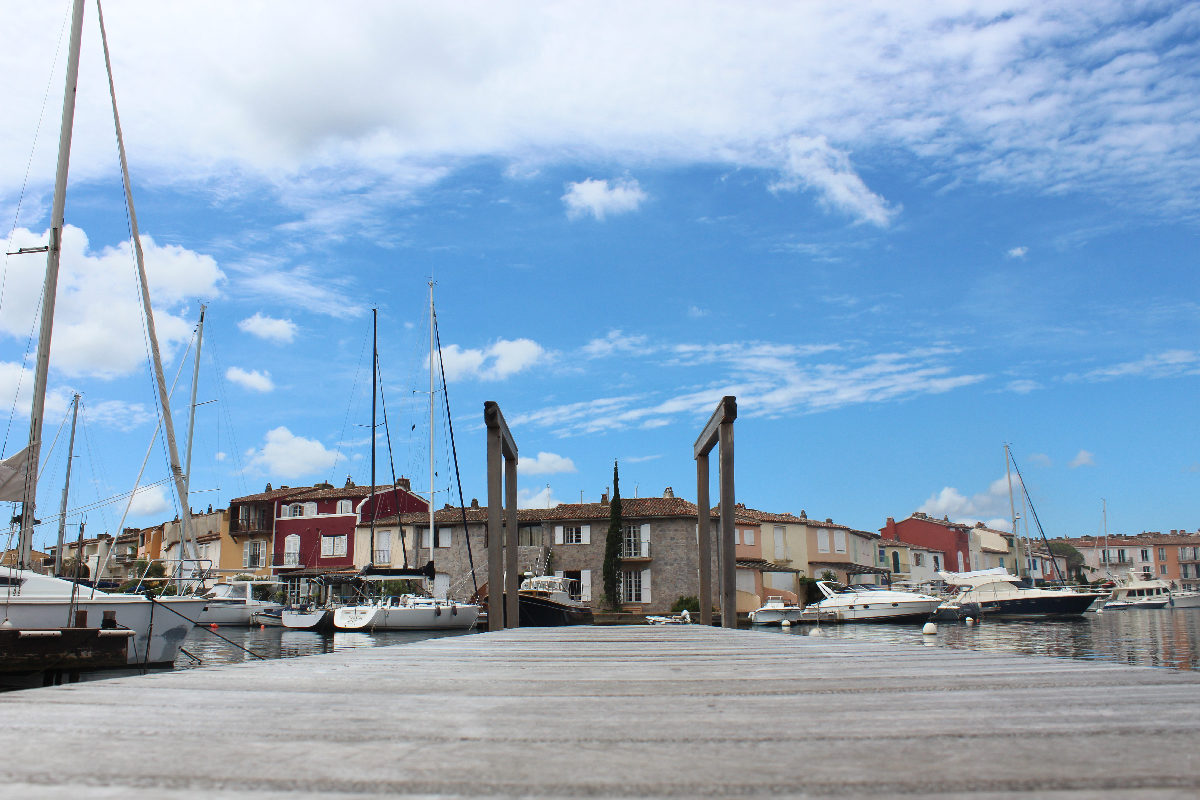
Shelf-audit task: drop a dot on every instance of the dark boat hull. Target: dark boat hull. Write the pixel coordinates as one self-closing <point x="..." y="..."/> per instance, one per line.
<point x="1048" y="607"/>
<point x="541" y="612"/>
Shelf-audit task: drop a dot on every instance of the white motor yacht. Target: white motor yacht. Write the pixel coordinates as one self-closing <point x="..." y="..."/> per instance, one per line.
<point x="775" y="612"/>
<point x="1143" y="591"/>
<point x="233" y="604"/>
<point x="847" y="604"/>
<point x="30" y="600"/>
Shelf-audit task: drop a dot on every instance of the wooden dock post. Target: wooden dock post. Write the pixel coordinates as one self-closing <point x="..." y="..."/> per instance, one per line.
<point x="502" y="521"/>
<point x="718" y="431"/>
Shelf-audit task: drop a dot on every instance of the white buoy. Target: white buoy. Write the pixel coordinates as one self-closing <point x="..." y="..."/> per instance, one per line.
<point x="814" y="631"/>
<point x="970" y="621"/>
<point x="930" y="629"/>
<point x="787" y="623"/>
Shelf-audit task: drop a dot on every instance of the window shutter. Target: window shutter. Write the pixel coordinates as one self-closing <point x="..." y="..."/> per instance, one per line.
<point x="585" y="585"/>
<point x="310" y="509"/>
<point x="558" y="573"/>
<point x="246" y="554"/>
<point x="646" y="585"/>
<point x="443" y="537"/>
<point x="645" y="539"/>
<point x="587" y="534"/>
<point x="558" y="534"/>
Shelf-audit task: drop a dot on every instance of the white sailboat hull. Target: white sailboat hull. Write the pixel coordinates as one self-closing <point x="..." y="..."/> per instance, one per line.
<point x="234" y="612"/>
<point x="448" y="616"/>
<point x="158" y="632"/>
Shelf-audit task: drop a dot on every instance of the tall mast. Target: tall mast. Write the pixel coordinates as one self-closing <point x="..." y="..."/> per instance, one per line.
<point x="181" y="489"/>
<point x="1012" y="510"/>
<point x="62" y="513"/>
<point x="432" y="335"/>
<point x="374" y="394"/>
<point x="187" y="473"/>
<point x="49" y="293"/>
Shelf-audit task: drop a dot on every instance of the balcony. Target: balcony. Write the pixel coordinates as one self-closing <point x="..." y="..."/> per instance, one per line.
<point x="289" y="560"/>
<point x="382" y="557"/>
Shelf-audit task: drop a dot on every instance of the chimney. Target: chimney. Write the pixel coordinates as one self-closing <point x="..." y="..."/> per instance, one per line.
<point x="668" y="493"/>
<point x="349" y="483"/>
<point x="268" y="489"/>
<point x="604" y="499"/>
<point x="829" y="520"/>
<point x="404" y="484"/>
<point x="803" y="515"/>
<point x="474" y="502"/>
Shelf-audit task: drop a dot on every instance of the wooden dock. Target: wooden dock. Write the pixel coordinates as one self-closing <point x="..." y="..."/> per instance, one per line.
<point x="670" y="711"/>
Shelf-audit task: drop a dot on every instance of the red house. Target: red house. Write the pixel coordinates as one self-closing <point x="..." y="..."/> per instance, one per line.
<point x="952" y="539"/>
<point x="314" y="526"/>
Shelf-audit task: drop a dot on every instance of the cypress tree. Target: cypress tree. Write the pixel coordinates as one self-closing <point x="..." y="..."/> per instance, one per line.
<point x="612" y="548"/>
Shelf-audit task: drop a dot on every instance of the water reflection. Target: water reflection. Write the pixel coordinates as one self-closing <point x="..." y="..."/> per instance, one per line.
<point x="204" y="649"/>
<point x="1150" y="637"/>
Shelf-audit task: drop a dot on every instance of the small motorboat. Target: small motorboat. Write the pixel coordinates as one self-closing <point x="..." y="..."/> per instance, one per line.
<point x="775" y="612"/>
<point x="682" y="618"/>
<point x="307" y="618"/>
<point x="871" y="604"/>
<point x="268" y="618"/>
<point x="548" y="601"/>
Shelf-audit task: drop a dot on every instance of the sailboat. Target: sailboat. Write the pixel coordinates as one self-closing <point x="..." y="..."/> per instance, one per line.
<point x="407" y="612"/>
<point x="30" y="601"/>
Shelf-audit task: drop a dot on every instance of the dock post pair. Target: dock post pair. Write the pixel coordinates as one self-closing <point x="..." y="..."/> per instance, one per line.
<point x="503" y="580"/>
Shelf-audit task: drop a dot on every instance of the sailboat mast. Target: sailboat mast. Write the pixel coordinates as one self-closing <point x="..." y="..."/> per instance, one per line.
<point x="374" y="394"/>
<point x="181" y="489"/>
<point x="187" y="473"/>
<point x="432" y="530"/>
<point x="49" y="293"/>
<point x="1012" y="510"/>
<point x="62" y="513"/>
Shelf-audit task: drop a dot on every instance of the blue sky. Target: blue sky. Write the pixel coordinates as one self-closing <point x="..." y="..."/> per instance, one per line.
<point x="900" y="236"/>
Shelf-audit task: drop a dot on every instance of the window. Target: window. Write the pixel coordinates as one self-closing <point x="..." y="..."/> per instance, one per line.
<point x="1162" y="554"/>
<point x="916" y="560"/>
<point x="1121" y="559"/>
<point x="442" y="534"/>
<point x="333" y="546"/>
<point x="291" y="550"/>
<point x="631" y="541"/>
<point x="882" y="556"/>
<point x="748" y="536"/>
<point x="839" y="541"/>
<point x="254" y="555"/>
<point x="631" y="587"/>
<point x="780" y="545"/>
<point x="345" y="507"/>
<point x="530" y="536"/>
<point x="244" y="515"/>
<point x="383" y="548"/>
<point x="823" y="541"/>
<point x="1162" y="569"/>
<point x="1145" y="554"/>
<point x="937" y="563"/>
<point x="294" y="510"/>
<point x="572" y="534"/>
<point x="895" y="561"/>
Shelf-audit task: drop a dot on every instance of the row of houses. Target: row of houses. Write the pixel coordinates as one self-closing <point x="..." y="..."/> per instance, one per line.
<point x="308" y="538"/>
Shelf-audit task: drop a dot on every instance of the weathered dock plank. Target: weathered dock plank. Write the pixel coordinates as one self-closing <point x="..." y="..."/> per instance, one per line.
<point x="615" y="712"/>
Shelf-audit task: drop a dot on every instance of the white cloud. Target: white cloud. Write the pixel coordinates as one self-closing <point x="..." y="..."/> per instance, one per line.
<point x="600" y="198"/>
<point x="546" y="464"/>
<point x="500" y="360"/>
<point x="810" y="162"/>
<point x="150" y="501"/>
<point x="300" y="288"/>
<point x="695" y="312"/>
<point x="119" y="414"/>
<point x="615" y="343"/>
<point x="1023" y="386"/>
<point x="288" y="456"/>
<point x="269" y="328"/>
<point x="1018" y="252"/>
<point x="1083" y="458"/>
<point x="1040" y="460"/>
<point x="254" y="380"/>
<point x="1168" y="364"/>
<point x="537" y="498"/>
<point x="989" y="506"/>
<point x="98" y="327"/>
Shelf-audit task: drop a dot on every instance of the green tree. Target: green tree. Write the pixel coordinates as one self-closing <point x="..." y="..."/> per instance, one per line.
<point x="612" y="548"/>
<point x="1074" y="559"/>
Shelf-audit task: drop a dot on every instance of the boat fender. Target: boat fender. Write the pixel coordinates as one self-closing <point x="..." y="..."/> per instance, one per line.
<point x="787" y="623"/>
<point x="453" y="610"/>
<point x="970" y="621"/>
<point x="437" y="611"/>
<point x="930" y="629"/>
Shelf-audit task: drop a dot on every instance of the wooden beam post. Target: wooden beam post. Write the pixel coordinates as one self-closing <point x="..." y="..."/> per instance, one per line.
<point x="718" y="431"/>
<point x="501" y="449"/>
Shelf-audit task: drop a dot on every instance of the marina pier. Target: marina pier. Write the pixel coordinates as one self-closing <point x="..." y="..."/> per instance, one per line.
<point x="592" y="711"/>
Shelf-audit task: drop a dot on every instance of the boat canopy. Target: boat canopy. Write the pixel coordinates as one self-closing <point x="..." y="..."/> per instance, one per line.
<point x="979" y="577"/>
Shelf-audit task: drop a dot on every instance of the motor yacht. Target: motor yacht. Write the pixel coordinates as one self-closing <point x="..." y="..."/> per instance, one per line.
<point x="846" y="604"/>
<point x="548" y="601"/>
<point x="775" y="611"/>
<point x="1140" y="590"/>
<point x="1000" y="594"/>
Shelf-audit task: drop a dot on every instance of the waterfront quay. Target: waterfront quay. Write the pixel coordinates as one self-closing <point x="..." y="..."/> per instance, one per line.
<point x="666" y="711"/>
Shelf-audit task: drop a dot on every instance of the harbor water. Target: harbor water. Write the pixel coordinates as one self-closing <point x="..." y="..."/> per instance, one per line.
<point x="1154" y="638"/>
<point x="1148" y="637"/>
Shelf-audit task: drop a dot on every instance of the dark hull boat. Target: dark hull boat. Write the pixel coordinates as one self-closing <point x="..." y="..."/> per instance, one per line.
<point x="537" y="611"/>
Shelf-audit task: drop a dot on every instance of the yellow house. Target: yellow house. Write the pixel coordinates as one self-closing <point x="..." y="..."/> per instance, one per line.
<point x="784" y="539"/>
